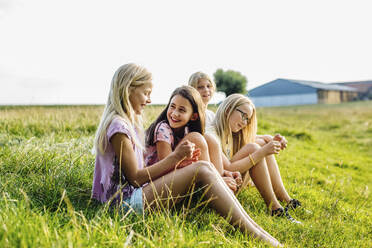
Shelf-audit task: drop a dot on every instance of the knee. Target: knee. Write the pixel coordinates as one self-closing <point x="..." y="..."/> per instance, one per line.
<point x="260" y="142"/>
<point x="205" y="169"/>
<point x="252" y="147"/>
<point x="197" y="139"/>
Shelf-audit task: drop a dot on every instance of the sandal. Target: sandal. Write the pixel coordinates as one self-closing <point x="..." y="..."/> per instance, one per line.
<point x="293" y="204"/>
<point x="281" y="212"/>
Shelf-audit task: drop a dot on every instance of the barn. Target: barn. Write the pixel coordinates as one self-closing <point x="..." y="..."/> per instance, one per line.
<point x="364" y="88"/>
<point x="284" y="92"/>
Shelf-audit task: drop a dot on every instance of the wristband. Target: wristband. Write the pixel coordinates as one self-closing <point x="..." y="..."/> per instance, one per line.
<point x="250" y="157"/>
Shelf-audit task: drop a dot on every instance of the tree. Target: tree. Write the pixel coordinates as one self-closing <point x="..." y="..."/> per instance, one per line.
<point x="230" y="82"/>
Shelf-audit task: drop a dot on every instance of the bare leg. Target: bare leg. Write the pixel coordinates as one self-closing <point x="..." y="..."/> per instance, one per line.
<point x="276" y="179"/>
<point x="176" y="184"/>
<point x="216" y="159"/>
<point x="214" y="152"/>
<point x="260" y="175"/>
<point x="247" y="216"/>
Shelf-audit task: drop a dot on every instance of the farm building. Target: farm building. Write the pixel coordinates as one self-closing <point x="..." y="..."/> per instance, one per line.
<point x="364" y="88"/>
<point x="284" y="92"/>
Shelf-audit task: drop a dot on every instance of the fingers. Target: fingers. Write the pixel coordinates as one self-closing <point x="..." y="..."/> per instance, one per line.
<point x="284" y="143"/>
<point x="187" y="149"/>
<point x="236" y="174"/>
<point x="230" y="183"/>
<point x="188" y="153"/>
<point x="277" y="145"/>
<point x="282" y="140"/>
<point x="185" y="163"/>
<point x="233" y="178"/>
<point x="227" y="173"/>
<point x="196" y="153"/>
<point x="277" y="137"/>
<point x="238" y="178"/>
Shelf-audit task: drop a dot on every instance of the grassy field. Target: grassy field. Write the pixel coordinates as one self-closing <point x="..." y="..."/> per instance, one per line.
<point x="46" y="169"/>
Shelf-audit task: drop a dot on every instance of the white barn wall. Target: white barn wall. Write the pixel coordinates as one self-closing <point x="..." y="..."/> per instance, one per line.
<point x="285" y="100"/>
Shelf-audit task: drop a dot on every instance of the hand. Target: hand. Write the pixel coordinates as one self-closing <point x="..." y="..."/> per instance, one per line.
<point x="282" y="140"/>
<point x="238" y="178"/>
<point x="267" y="138"/>
<point x="273" y="147"/>
<point x="227" y="173"/>
<point x="231" y="183"/>
<point x="187" y="161"/>
<point x="235" y="175"/>
<point x="184" y="150"/>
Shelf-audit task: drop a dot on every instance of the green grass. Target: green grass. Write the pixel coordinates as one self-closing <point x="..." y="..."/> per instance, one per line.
<point x="46" y="169"/>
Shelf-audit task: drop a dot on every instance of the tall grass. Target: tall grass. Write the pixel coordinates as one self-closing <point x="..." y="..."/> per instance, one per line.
<point x="46" y="170"/>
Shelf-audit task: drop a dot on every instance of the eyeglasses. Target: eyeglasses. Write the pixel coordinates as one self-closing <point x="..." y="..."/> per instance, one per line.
<point x="244" y="116"/>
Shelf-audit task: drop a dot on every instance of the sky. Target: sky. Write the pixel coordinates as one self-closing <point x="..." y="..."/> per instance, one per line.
<point x="66" y="52"/>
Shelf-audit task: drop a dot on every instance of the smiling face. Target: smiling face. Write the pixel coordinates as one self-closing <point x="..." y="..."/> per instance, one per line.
<point x="205" y="89"/>
<point x="139" y="97"/>
<point x="240" y="117"/>
<point x="179" y="112"/>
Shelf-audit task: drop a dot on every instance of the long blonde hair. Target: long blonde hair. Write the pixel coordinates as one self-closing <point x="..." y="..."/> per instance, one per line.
<point x="126" y="78"/>
<point x="230" y="141"/>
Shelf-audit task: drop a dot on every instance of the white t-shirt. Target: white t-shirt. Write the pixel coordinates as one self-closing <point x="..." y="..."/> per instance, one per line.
<point x="209" y="117"/>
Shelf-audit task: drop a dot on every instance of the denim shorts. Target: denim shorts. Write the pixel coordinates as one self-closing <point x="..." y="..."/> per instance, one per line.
<point x="134" y="203"/>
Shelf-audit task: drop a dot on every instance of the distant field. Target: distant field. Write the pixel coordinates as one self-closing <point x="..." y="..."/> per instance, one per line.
<point x="46" y="169"/>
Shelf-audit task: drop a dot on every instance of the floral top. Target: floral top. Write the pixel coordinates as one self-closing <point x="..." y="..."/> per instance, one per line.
<point x="107" y="179"/>
<point x="163" y="132"/>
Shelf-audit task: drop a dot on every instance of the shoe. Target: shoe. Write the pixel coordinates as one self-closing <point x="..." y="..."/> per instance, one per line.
<point x="281" y="212"/>
<point x="293" y="204"/>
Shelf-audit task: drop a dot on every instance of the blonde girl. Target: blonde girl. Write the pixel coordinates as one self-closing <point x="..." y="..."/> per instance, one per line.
<point x="206" y="88"/>
<point x="235" y="127"/>
<point x="120" y="176"/>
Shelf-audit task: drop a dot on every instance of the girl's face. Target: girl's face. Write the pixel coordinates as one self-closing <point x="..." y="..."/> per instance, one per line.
<point x="240" y="117"/>
<point x="179" y="112"/>
<point x="139" y="97"/>
<point x="205" y="89"/>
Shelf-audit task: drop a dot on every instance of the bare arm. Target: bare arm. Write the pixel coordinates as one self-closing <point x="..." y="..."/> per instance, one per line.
<point x="137" y="177"/>
<point x="244" y="164"/>
<point x="164" y="149"/>
<point x="264" y="139"/>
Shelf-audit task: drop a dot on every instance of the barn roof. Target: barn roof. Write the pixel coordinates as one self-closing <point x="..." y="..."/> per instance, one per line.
<point x="369" y="82"/>
<point x="361" y="86"/>
<point x="323" y="86"/>
<point x="283" y="86"/>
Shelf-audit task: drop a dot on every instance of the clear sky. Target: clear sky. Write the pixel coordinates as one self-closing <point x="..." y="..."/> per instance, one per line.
<point x="65" y="52"/>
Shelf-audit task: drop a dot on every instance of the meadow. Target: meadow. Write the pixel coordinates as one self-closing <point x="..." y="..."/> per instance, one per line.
<point x="46" y="171"/>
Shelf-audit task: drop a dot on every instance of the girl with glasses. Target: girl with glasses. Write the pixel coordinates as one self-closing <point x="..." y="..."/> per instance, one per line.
<point x="235" y="127"/>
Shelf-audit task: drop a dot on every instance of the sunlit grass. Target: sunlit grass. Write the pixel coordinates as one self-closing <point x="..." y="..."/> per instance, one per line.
<point x="46" y="170"/>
